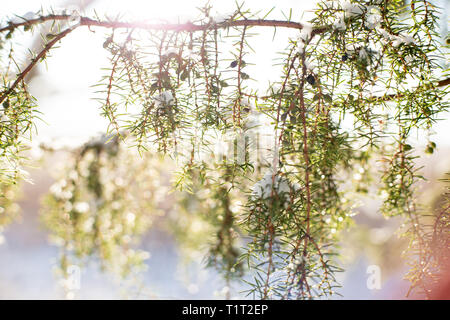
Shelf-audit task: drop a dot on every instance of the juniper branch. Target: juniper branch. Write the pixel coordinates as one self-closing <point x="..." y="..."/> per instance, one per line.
<point x="34" y="61"/>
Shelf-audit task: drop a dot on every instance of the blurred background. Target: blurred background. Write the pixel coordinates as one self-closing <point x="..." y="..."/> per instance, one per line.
<point x="62" y="87"/>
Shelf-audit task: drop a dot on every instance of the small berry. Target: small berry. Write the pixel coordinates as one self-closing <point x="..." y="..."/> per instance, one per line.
<point x="311" y="80"/>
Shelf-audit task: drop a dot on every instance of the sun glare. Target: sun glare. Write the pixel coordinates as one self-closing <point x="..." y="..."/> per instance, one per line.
<point x="167" y="10"/>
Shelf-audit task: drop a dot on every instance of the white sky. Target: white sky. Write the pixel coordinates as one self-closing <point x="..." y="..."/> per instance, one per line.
<point x="63" y="86"/>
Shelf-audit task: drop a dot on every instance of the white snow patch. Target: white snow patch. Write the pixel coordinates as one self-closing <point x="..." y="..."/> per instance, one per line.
<point x="269" y="185"/>
<point x="164" y="99"/>
<point x="352" y="9"/>
<point x="305" y="33"/>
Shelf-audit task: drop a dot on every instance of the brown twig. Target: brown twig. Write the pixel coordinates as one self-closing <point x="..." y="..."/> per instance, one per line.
<point x="34" y="61"/>
<point x="189" y="26"/>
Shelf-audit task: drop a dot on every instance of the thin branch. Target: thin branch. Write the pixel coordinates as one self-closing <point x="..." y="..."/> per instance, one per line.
<point x="34" y="61"/>
<point x="189" y="26"/>
<point x="443" y="83"/>
<point x="389" y="97"/>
